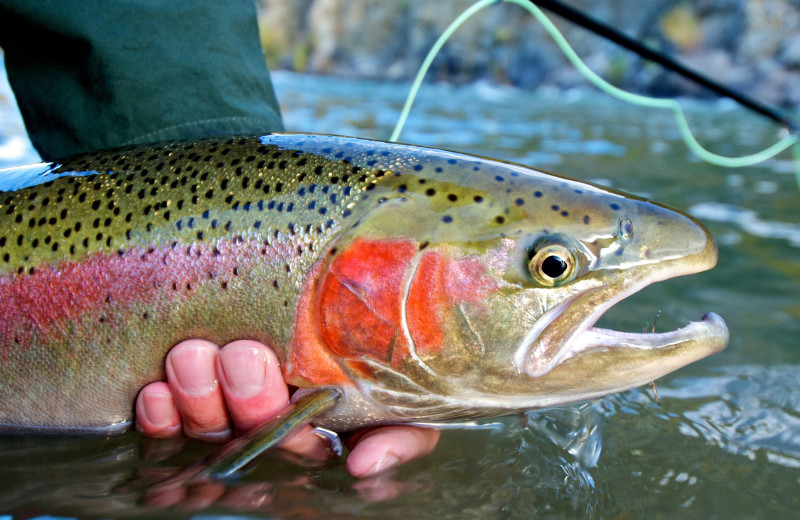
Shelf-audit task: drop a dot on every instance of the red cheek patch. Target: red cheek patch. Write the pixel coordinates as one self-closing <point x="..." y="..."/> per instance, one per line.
<point x="361" y="298"/>
<point x="440" y="285"/>
<point x="354" y="312"/>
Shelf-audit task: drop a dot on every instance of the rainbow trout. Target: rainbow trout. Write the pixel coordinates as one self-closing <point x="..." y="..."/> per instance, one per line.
<point x="422" y="285"/>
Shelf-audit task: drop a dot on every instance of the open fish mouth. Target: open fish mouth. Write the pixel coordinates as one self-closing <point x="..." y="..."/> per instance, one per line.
<point x="544" y="348"/>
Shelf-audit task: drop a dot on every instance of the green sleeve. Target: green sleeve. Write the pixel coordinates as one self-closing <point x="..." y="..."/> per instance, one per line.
<point x="94" y="74"/>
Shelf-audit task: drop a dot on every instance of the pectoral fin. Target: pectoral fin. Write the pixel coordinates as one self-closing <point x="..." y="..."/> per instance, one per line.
<point x="236" y="454"/>
<point x="239" y="452"/>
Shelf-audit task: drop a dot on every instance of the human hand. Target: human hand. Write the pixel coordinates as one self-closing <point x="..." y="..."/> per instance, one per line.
<point x="207" y="388"/>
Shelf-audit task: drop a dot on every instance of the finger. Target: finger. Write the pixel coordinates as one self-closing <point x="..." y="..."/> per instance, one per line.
<point x="192" y="376"/>
<point x="383" y="448"/>
<point x="255" y="392"/>
<point x="252" y="383"/>
<point x="156" y="413"/>
<point x="309" y="445"/>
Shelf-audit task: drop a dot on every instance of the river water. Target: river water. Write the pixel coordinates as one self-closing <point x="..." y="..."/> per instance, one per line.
<point x="724" y="442"/>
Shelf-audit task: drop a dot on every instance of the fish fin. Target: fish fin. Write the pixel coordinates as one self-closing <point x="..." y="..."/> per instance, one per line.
<point x="236" y="454"/>
<point x="332" y="437"/>
<point x="232" y="457"/>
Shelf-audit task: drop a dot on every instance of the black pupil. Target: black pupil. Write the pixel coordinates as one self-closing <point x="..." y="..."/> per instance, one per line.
<point x="553" y="266"/>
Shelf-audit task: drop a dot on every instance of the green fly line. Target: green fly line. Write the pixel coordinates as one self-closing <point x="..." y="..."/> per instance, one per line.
<point x="668" y="104"/>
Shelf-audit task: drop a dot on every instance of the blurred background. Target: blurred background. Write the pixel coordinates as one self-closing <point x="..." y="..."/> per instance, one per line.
<point x="752" y="45"/>
<point x="724" y="441"/>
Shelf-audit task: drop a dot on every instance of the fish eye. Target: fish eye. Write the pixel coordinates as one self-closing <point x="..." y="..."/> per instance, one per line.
<point x="552" y="264"/>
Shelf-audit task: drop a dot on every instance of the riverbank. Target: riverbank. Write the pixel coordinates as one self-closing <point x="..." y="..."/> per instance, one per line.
<point x="751" y="45"/>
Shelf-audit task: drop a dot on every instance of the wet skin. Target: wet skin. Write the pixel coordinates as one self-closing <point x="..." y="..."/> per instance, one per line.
<point x="207" y="388"/>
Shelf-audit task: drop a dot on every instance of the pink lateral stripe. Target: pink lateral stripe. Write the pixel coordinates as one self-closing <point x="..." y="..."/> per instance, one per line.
<point x="44" y="300"/>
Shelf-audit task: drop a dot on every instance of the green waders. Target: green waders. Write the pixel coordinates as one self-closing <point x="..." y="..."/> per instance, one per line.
<point x="91" y="74"/>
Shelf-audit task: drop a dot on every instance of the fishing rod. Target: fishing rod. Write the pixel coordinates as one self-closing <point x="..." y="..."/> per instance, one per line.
<point x="792" y="140"/>
<point x="610" y="33"/>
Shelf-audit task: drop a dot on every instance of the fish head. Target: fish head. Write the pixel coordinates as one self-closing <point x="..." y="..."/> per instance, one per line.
<point x="475" y="292"/>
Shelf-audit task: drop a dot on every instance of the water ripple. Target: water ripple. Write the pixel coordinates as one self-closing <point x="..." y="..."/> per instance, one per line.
<point x="744" y="410"/>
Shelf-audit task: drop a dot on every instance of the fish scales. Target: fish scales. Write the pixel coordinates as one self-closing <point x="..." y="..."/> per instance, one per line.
<point x="156" y="247"/>
<point x="110" y="258"/>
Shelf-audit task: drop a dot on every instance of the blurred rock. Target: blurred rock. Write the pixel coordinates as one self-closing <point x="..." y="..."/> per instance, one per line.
<point x="753" y="45"/>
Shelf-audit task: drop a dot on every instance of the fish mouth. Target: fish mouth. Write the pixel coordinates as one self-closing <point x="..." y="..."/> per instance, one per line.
<point x="710" y="330"/>
<point x="545" y="348"/>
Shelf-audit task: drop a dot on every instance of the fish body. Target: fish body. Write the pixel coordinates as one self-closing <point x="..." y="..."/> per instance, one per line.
<point x="424" y="284"/>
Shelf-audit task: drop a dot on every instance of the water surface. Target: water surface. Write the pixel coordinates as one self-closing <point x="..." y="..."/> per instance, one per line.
<point x="724" y="441"/>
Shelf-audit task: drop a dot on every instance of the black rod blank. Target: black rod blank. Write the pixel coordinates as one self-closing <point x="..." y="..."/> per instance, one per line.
<point x="610" y="33"/>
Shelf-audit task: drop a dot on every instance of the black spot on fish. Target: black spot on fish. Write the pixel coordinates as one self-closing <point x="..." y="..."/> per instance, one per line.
<point x="500" y="219"/>
<point x="565" y="213"/>
<point x="554" y="207"/>
<point x="586" y="219"/>
<point x="520" y="202"/>
<point x="430" y="192"/>
<point x="447" y="219"/>
<point x="417" y="167"/>
<point x="537" y="194"/>
<point x="614" y="206"/>
<point x="452" y="197"/>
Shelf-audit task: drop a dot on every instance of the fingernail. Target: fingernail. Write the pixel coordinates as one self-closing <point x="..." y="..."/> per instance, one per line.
<point x="387" y="461"/>
<point x="197" y="375"/>
<point x="245" y="370"/>
<point x="159" y="410"/>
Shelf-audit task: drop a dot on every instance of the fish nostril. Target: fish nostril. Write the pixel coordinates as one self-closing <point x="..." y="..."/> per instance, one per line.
<point x="625" y="228"/>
